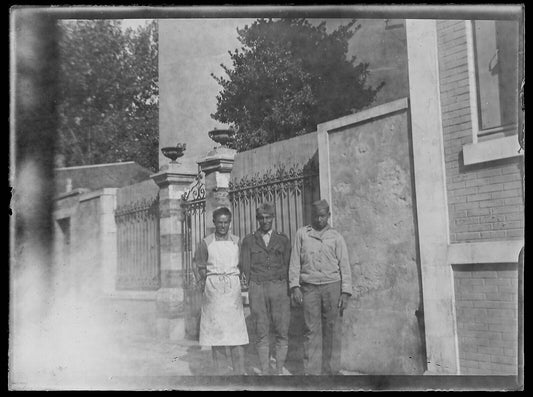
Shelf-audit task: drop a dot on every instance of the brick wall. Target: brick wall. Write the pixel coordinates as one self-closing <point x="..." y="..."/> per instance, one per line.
<point x="484" y="200"/>
<point x="486" y="309"/>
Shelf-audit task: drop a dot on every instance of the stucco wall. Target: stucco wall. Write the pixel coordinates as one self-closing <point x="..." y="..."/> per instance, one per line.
<point x="373" y="208"/>
<point x="86" y="246"/>
<point x="291" y="155"/>
<point x="80" y="262"/>
<point x="295" y="151"/>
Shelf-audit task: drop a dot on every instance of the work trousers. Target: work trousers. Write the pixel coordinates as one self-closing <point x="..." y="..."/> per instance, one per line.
<point x="270" y="306"/>
<point x="321" y="328"/>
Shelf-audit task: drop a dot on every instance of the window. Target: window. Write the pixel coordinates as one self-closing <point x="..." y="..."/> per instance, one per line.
<point x="495" y="50"/>
<point x="493" y="75"/>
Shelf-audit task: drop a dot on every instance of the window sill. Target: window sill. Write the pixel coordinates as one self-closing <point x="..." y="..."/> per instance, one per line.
<point x="490" y="150"/>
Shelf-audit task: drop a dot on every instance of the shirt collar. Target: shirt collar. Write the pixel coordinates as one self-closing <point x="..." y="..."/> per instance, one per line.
<point x="269" y="233"/>
<point x="318" y="233"/>
<point x="222" y="238"/>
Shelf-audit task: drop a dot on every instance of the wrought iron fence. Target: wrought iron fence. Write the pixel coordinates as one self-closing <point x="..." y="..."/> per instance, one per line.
<point x="291" y="189"/>
<point x="138" y="245"/>
<point x="193" y="207"/>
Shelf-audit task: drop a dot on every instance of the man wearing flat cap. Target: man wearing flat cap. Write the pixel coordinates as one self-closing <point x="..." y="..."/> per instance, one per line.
<point x="320" y="280"/>
<point x="265" y="256"/>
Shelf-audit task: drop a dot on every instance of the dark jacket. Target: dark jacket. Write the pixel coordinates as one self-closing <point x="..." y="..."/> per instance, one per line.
<point x="261" y="263"/>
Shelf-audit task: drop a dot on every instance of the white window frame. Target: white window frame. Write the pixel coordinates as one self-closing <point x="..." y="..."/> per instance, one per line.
<point x="490" y="149"/>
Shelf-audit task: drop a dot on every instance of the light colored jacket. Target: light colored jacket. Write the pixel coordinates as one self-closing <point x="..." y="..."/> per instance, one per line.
<point x="320" y="257"/>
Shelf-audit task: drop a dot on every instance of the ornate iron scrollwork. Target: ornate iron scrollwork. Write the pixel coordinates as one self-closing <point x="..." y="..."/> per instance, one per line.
<point x="197" y="191"/>
<point x="282" y="176"/>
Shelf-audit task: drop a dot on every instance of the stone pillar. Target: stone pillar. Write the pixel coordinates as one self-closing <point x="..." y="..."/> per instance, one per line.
<point x="108" y="238"/>
<point x="172" y="182"/>
<point x="217" y="167"/>
<point x="430" y="186"/>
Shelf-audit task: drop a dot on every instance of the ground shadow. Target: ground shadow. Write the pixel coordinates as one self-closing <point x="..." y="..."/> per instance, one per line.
<point x="294" y="362"/>
<point x="200" y="360"/>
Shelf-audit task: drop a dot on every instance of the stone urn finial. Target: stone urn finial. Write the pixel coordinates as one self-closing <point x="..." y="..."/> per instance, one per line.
<point x="174" y="152"/>
<point x="222" y="136"/>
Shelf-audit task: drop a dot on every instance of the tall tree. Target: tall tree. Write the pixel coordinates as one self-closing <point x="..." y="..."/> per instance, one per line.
<point x="109" y="96"/>
<point x="287" y="77"/>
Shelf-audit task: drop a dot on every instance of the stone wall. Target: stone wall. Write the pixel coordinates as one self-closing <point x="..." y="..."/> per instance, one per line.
<point x="86" y="255"/>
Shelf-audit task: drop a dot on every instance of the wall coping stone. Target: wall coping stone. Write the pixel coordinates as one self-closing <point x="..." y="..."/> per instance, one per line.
<point x="73" y="192"/>
<point x="365" y="115"/>
<point x="172" y="175"/>
<point x="97" y="193"/>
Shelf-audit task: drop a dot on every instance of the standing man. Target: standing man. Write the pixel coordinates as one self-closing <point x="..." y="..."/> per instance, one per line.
<point x="222" y="321"/>
<point x="265" y="258"/>
<point x="320" y="280"/>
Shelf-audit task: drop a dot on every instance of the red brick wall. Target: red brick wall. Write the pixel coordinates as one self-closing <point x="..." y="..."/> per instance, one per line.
<point x="486" y="313"/>
<point x="484" y="200"/>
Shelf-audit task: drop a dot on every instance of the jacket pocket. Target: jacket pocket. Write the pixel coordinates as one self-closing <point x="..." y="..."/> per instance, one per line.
<point x="258" y="255"/>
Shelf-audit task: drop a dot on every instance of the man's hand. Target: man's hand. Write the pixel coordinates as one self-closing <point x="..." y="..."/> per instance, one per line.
<point x="244" y="283"/>
<point x="343" y="301"/>
<point x="297" y="296"/>
<point x="200" y="279"/>
<point x="200" y="285"/>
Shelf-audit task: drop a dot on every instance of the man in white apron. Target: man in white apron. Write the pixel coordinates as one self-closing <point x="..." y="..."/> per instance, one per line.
<point x="222" y="322"/>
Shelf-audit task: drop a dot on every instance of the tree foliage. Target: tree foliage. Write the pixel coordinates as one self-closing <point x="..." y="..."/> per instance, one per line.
<point x="108" y="106"/>
<point x="287" y="77"/>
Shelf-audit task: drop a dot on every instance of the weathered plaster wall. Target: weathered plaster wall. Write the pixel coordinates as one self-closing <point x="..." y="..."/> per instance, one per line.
<point x="295" y="151"/>
<point x="373" y="208"/>
<point x="291" y="155"/>
<point x="86" y="252"/>
<point x="79" y="261"/>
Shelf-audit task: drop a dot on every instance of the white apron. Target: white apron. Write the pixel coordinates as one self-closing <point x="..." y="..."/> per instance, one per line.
<point x="222" y="316"/>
